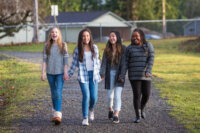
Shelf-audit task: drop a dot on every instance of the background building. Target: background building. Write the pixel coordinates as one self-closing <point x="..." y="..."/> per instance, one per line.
<point x="99" y="22"/>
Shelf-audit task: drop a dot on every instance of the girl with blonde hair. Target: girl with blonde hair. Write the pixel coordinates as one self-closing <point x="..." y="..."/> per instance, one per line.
<point x="55" y="62"/>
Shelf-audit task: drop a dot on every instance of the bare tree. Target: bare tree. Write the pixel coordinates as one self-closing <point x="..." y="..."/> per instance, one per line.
<point x="13" y="12"/>
<point x="164" y="22"/>
<point x="35" y="36"/>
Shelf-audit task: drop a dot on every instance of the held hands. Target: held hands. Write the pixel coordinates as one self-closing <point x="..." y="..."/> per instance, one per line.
<point x="66" y="77"/>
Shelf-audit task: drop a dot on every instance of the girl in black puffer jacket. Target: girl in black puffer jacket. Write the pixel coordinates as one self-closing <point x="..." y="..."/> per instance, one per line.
<point x="140" y="60"/>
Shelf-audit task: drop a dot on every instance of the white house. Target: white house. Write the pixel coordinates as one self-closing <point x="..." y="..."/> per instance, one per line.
<point x="99" y="22"/>
<point x="24" y="35"/>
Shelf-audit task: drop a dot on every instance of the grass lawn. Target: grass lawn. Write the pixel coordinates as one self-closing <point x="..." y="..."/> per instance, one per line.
<point x="177" y="76"/>
<point x="180" y="75"/>
<point x="19" y="85"/>
<point x="24" y="48"/>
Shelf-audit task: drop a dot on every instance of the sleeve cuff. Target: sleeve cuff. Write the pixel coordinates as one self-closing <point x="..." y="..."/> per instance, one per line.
<point x="66" y="60"/>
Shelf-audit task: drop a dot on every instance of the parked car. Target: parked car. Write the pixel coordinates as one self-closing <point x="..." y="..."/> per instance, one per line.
<point x="152" y="36"/>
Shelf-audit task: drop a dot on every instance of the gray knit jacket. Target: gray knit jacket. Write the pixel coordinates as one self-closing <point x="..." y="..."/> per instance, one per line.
<point x="55" y="61"/>
<point x="139" y="61"/>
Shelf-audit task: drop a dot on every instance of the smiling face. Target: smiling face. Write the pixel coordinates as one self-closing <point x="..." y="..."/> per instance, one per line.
<point x="54" y="34"/>
<point x="112" y="38"/>
<point x="136" y="38"/>
<point x="86" y="37"/>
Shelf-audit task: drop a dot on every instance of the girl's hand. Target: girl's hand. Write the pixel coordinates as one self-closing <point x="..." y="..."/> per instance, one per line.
<point x="147" y="75"/>
<point x="43" y="77"/>
<point x="121" y="80"/>
<point x="66" y="77"/>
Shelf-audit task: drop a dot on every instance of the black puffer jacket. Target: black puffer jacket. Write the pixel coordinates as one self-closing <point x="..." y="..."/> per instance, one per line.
<point x="139" y="61"/>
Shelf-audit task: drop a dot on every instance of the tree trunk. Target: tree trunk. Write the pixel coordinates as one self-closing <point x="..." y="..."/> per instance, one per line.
<point x="164" y="22"/>
<point x="35" y="34"/>
<point x="133" y="4"/>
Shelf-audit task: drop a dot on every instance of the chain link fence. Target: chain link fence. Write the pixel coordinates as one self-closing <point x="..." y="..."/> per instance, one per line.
<point x="100" y="31"/>
<point x="174" y="27"/>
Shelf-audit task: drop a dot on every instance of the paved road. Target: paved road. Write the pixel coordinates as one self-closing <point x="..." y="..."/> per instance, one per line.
<point x="158" y="120"/>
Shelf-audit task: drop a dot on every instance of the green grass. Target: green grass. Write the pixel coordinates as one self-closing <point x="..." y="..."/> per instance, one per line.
<point x="187" y="47"/>
<point x="24" y="48"/>
<point x="19" y="85"/>
<point x="180" y="75"/>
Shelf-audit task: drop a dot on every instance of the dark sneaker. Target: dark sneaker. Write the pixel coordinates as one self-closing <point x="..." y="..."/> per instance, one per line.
<point x="137" y="120"/>
<point x="110" y="115"/>
<point x="143" y="115"/>
<point x="115" y="119"/>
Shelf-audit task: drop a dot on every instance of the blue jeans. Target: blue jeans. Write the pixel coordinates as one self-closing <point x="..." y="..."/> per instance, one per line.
<point x="114" y="93"/>
<point x="90" y="95"/>
<point x="56" y="84"/>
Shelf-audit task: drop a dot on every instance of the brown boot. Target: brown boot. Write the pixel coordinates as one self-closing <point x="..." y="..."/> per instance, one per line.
<point x="57" y="116"/>
<point x="57" y="120"/>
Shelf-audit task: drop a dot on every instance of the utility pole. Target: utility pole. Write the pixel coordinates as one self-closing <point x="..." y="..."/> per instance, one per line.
<point x="35" y="34"/>
<point x="164" y="22"/>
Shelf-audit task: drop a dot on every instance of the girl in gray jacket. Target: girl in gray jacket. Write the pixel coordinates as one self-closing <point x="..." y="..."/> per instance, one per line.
<point x="54" y="66"/>
<point x="113" y="70"/>
<point x="140" y="60"/>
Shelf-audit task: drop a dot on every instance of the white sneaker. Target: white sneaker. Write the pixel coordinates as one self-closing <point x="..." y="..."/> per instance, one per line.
<point x="91" y="115"/>
<point x="85" y="122"/>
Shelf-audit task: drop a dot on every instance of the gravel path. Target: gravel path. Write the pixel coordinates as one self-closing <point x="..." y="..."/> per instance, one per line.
<point x="158" y="119"/>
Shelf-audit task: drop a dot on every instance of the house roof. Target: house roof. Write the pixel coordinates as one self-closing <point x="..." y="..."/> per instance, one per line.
<point x="75" y="17"/>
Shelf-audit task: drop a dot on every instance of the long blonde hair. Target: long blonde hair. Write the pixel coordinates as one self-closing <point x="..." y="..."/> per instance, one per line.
<point x="50" y="41"/>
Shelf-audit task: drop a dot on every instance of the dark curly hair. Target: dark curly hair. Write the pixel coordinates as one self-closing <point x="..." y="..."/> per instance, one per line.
<point x="142" y="36"/>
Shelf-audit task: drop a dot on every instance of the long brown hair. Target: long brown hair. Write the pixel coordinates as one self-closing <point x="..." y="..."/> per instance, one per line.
<point x="50" y="41"/>
<point x="108" y="50"/>
<point x="81" y="45"/>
